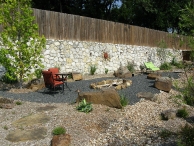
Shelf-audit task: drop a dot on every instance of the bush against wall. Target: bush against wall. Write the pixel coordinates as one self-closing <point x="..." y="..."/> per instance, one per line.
<point x="22" y="44"/>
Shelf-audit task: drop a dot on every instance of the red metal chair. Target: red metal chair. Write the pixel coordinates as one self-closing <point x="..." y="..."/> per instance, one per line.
<point x="54" y="71"/>
<point x="49" y="80"/>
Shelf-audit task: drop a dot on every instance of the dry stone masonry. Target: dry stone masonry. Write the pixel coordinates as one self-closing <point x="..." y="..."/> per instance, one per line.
<point x="78" y="56"/>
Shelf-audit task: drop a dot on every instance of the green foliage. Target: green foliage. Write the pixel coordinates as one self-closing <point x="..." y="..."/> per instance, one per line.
<point x="174" y="62"/>
<point x="106" y="70"/>
<point x="124" y="101"/>
<point x="59" y="130"/>
<point x="84" y="106"/>
<point x="93" y="69"/>
<point x="182" y="113"/>
<point x="165" y="66"/>
<point x="38" y="73"/>
<point x="130" y="67"/>
<point x="5" y="127"/>
<point x="18" y="103"/>
<point x="186" y="136"/>
<point x="188" y="92"/>
<point x="21" y="44"/>
<point x="165" y="133"/>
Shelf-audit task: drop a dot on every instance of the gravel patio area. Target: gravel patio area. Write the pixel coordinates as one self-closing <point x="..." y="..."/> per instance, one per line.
<point x="140" y="83"/>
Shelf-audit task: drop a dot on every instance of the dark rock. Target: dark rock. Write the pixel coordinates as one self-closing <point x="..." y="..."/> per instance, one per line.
<point x="61" y="140"/>
<point x="168" y="114"/>
<point x="163" y="83"/>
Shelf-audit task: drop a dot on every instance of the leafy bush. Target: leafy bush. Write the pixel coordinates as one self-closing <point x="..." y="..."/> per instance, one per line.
<point x="58" y="131"/>
<point x="130" y="67"/>
<point x="84" y="106"/>
<point x="93" y="69"/>
<point x="182" y="113"/>
<point x="124" y="101"/>
<point x="188" y="92"/>
<point x="38" y="73"/>
<point x="165" y="66"/>
<point x="186" y="136"/>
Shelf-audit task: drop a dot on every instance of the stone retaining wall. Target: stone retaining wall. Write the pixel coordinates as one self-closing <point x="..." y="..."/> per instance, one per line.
<point x="78" y="56"/>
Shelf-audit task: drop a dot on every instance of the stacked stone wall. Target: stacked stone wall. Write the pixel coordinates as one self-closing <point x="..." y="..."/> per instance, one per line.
<point x="78" y="56"/>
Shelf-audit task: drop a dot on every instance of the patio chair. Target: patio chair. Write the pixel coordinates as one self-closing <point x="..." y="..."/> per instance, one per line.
<point x="151" y="66"/>
<point x="54" y="71"/>
<point x="49" y="80"/>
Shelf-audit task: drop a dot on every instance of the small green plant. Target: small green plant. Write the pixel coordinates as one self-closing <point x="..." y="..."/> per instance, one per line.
<point x="59" y="130"/>
<point x="18" y="103"/>
<point x="84" y="106"/>
<point x="38" y="73"/>
<point x="174" y="62"/>
<point x="130" y="67"/>
<point x="165" y="133"/>
<point x="165" y="66"/>
<point x="5" y="127"/>
<point x="188" y="92"/>
<point x="182" y="113"/>
<point x="124" y="101"/>
<point x="106" y="70"/>
<point x="93" y="69"/>
<point x="186" y="136"/>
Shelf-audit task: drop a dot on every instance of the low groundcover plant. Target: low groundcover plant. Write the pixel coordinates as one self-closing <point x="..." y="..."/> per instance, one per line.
<point x="59" y="130"/>
<point x="84" y="106"/>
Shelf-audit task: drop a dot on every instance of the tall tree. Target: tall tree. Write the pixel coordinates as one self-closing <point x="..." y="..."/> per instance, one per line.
<point x="22" y="45"/>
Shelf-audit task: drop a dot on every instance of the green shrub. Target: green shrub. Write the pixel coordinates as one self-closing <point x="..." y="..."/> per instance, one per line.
<point x="174" y="62"/>
<point x="84" y="106"/>
<point x="165" y="66"/>
<point x="130" y="67"/>
<point x="38" y="73"/>
<point x="93" y="69"/>
<point x="186" y="136"/>
<point x="124" y="101"/>
<point x="188" y="92"/>
<point x="106" y="70"/>
<point x="182" y="113"/>
<point x="165" y="133"/>
<point x="58" y="131"/>
<point x="9" y="77"/>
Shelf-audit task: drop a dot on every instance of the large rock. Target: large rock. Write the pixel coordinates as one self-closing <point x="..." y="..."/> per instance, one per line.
<point x="77" y="76"/>
<point x="163" y="83"/>
<point x="168" y="114"/>
<point x="6" y="103"/>
<point x="107" y="97"/>
<point x="153" y="76"/>
<point x="61" y="140"/>
<point x="122" y="72"/>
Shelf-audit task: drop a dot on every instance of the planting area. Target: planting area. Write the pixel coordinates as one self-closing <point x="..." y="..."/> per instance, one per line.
<point x="139" y="123"/>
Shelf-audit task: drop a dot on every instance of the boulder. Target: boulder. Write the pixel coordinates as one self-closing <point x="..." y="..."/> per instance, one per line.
<point x="106" y="97"/>
<point x="77" y="76"/>
<point x="122" y="72"/>
<point x="163" y="83"/>
<point x="2" y="71"/>
<point x="61" y="140"/>
<point x="6" y="103"/>
<point x="153" y="76"/>
<point x="168" y="114"/>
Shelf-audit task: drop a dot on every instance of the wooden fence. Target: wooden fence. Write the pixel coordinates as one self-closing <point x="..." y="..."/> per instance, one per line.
<point x="55" y="25"/>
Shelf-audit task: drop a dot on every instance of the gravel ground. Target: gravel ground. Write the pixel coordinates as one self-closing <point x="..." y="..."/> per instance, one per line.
<point x="140" y="83"/>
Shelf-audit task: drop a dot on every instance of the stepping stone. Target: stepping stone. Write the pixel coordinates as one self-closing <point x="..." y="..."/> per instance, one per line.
<point x="32" y="120"/>
<point x="46" y="108"/>
<point x="25" y="135"/>
<point x="146" y="95"/>
<point x="77" y="76"/>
